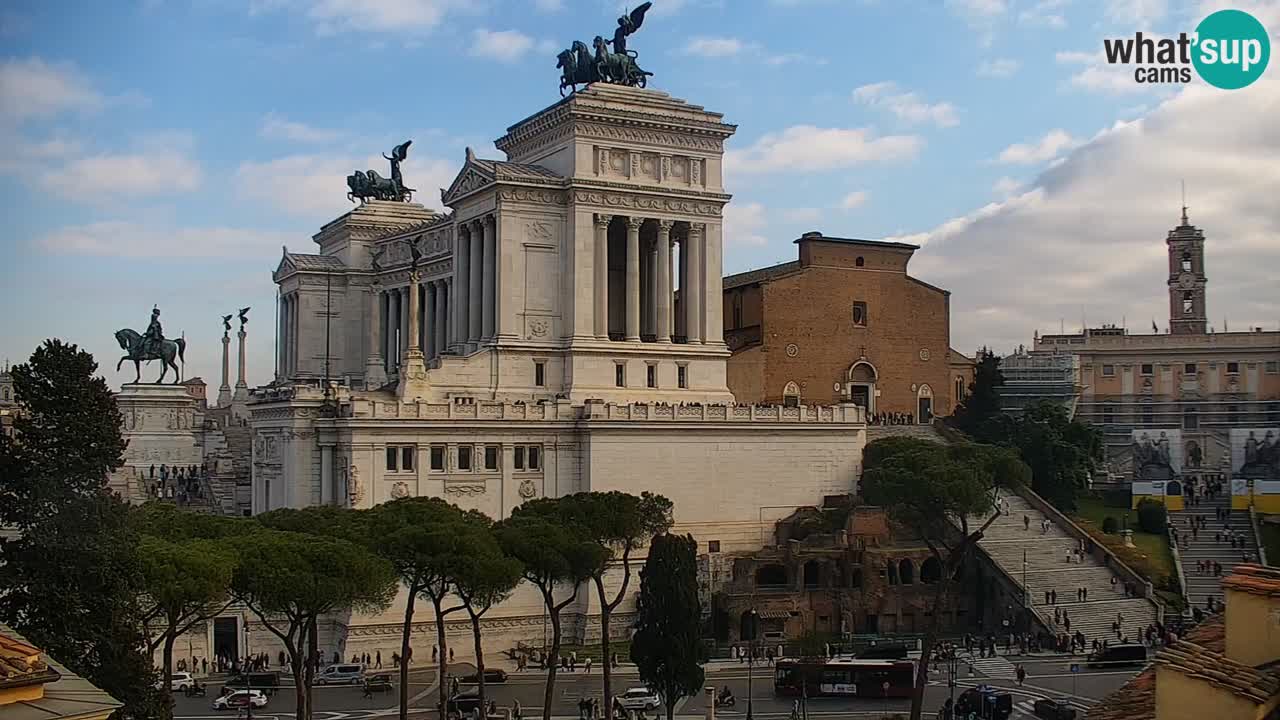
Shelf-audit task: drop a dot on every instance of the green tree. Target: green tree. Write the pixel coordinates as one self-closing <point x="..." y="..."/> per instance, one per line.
<point x="484" y="576"/>
<point x="1062" y="452"/>
<point x="666" y="647"/>
<point x="553" y="554"/>
<point x="421" y="538"/>
<point x="983" y="399"/>
<point x="619" y="523"/>
<point x="937" y="491"/>
<point x="70" y="581"/>
<point x="291" y="579"/>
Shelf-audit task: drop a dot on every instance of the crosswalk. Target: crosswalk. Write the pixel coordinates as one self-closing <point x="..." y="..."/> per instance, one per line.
<point x="996" y="667"/>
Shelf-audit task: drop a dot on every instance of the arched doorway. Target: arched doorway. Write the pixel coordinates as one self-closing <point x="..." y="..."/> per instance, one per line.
<point x="906" y="572"/>
<point x="813" y="574"/>
<point x="924" y="405"/>
<point x="791" y="395"/>
<point x="862" y="385"/>
<point x="930" y="571"/>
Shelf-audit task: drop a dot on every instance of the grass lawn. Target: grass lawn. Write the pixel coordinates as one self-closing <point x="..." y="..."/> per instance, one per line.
<point x="1153" y="558"/>
<point x="1271" y="541"/>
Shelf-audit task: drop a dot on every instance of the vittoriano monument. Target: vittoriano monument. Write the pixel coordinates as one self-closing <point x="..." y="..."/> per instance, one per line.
<point x="579" y="67"/>
<point x="369" y="185"/>
<point x="151" y="345"/>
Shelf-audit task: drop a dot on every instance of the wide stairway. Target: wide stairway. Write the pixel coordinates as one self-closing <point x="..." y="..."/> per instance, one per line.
<point x="1009" y="540"/>
<point x="1203" y="547"/>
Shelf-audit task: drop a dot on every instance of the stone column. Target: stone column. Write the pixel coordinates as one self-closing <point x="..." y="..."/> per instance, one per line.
<point x="280" y="309"/>
<point x="462" y="285"/>
<point x="326" y="474"/>
<point x="429" y="320"/>
<point x="648" y="288"/>
<point x="375" y="375"/>
<point x="393" y="327"/>
<point x="224" y="390"/>
<point x="601" y="280"/>
<point x="451" y="300"/>
<point x="442" y="316"/>
<point x="406" y="334"/>
<point x="295" y="315"/>
<point x="413" y="369"/>
<point x="286" y="336"/>
<point x="475" y="288"/>
<point x="388" y="322"/>
<point x="489" y="268"/>
<point x="633" y="279"/>
<point x="663" y="303"/>
<point x="413" y="317"/>
<point x="692" y="296"/>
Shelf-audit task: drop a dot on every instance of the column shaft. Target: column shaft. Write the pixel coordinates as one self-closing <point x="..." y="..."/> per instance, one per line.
<point x="633" y="279"/>
<point x="413" y="320"/>
<point x="326" y="474"/>
<point x="692" y="295"/>
<point x="406" y="337"/>
<point x="375" y="322"/>
<point x="462" y="284"/>
<point x="489" y="269"/>
<point x="388" y="331"/>
<point x="663" y="304"/>
<point x="601" y="279"/>
<point x="430" y="322"/>
<point x="240" y="367"/>
<point x="475" y="288"/>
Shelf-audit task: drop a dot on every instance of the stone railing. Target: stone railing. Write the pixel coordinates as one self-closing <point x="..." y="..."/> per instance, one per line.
<point x="598" y="411"/>
<point x="1257" y="535"/>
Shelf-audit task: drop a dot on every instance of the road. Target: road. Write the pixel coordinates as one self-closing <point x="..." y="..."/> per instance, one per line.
<point x="1046" y="678"/>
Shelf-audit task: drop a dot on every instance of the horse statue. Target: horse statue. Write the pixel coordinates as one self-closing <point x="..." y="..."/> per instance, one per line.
<point x="131" y="342"/>
<point x="369" y="185"/>
<point x="577" y="66"/>
<point x="618" y="68"/>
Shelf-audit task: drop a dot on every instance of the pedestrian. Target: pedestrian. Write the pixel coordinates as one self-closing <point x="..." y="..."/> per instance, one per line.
<point x="377" y="660"/>
<point x="1026" y="523"/>
<point x="1046" y="597"/>
<point x="435" y="651"/>
<point x="1022" y="674"/>
<point x="204" y="665"/>
<point x="1114" y="580"/>
<point x="1066" y="621"/>
<point x="1053" y="595"/>
<point x="450" y="654"/>
<point x="1057" y="616"/>
<point x="516" y="709"/>
<point x="587" y="665"/>
<point x="1084" y="594"/>
<point x="368" y="689"/>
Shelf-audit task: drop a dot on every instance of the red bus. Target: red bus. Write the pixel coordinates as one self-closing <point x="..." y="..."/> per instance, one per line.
<point x="841" y="677"/>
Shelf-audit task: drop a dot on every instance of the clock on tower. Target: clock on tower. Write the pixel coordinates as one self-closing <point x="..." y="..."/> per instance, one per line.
<point x="1187" y="312"/>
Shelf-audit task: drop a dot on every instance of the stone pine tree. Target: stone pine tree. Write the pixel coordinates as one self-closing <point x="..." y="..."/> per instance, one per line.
<point x="290" y="580"/>
<point x="666" y="646"/>
<point x="483" y="576"/>
<point x="70" y="581"/>
<point x="557" y="558"/>
<point x="983" y="399"/>
<point x="1061" y="451"/>
<point x="945" y="494"/>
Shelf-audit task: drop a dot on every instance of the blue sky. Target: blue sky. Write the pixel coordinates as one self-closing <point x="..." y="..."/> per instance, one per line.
<point x="162" y="151"/>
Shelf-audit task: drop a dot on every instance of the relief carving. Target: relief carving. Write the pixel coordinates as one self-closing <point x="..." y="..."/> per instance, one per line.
<point x="528" y="489"/>
<point x="400" y="490"/>
<point x="355" y="487"/>
<point x="538" y="327"/>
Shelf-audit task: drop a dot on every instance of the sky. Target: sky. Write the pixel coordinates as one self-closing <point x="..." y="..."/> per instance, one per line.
<point x="161" y="152"/>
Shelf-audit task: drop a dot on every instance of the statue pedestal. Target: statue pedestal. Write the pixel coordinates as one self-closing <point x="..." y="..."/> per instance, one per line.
<point x="1128" y="538"/>
<point x="375" y="376"/>
<point x="413" y="377"/>
<point x="161" y="424"/>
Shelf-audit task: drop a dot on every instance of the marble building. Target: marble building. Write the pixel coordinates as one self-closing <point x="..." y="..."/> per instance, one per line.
<point x="528" y="343"/>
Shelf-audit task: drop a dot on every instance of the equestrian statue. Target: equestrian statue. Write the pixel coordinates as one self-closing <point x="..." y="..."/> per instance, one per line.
<point x="369" y="185"/>
<point x="151" y="345"/>
<point x="579" y="67"/>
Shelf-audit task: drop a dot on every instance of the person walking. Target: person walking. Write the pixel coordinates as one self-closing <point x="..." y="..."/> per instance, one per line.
<point x="587" y="664"/>
<point x="1026" y="523"/>
<point x="1021" y="673"/>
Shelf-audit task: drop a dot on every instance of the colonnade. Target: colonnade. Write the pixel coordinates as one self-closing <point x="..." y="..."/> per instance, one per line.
<point x="288" y="317"/>
<point x="392" y="334"/>
<point x="650" y="280"/>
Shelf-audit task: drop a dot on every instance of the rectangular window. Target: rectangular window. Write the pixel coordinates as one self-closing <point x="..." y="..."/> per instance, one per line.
<point x="540" y="374"/>
<point x="518" y="459"/>
<point x="406" y="458"/>
<point x="682" y="376"/>
<point x="620" y="375"/>
<point x="1148" y="369"/>
<point x="437" y="457"/>
<point x="651" y="376"/>
<point x="464" y="458"/>
<point x="1273" y="367"/>
<point x="713" y="546"/>
<point x="1108" y="371"/>
<point x="860" y="314"/>
<point x="1189" y="369"/>
<point x="393" y="458"/>
<point x="491" y="457"/>
<point x="1233" y="368"/>
<point x="535" y="457"/>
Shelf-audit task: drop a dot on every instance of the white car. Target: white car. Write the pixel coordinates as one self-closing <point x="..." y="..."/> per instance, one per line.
<point x="639" y="699"/>
<point x="179" y="682"/>
<point x="240" y="698"/>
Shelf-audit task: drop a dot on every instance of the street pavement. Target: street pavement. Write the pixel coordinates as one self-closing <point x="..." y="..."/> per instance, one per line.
<point x="1047" y="677"/>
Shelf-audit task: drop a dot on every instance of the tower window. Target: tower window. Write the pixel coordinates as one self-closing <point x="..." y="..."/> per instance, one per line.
<point x="540" y="374"/>
<point x="651" y="376"/>
<point x="1186" y="262"/>
<point x="860" y="314"/>
<point x="1188" y="303"/>
<point x="620" y="375"/>
<point x="859" y="262"/>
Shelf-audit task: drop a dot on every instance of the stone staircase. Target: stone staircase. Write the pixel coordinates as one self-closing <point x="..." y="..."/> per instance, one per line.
<point x="1009" y="540"/>
<point x="1203" y="547"/>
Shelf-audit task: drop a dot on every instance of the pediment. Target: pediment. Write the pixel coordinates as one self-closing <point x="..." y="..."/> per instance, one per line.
<point x="286" y="265"/>
<point x="472" y="177"/>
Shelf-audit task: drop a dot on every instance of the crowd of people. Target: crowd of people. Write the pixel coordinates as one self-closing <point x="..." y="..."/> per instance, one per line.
<point x="892" y="418"/>
<point x="181" y="484"/>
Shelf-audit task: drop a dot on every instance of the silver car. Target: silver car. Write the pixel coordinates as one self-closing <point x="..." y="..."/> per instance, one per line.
<point x="341" y="675"/>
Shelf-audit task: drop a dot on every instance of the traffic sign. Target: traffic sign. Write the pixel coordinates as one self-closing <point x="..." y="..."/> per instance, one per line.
<point x="1075" y="667"/>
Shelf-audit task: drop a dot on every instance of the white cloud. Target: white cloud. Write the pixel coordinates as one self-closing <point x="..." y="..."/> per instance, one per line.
<point x="318" y="183"/>
<point x="160" y="164"/>
<point x="1006" y="186"/>
<point x="803" y="214"/>
<point x="1046" y="13"/>
<point x="1046" y="148"/>
<point x="381" y="16"/>
<point x="121" y="238"/>
<point x="803" y="148"/>
<point x="277" y="127"/>
<point x="500" y="45"/>
<point x="33" y="88"/>
<point x="855" y="199"/>
<point x="998" y="68"/>
<point x="1076" y="57"/>
<point x="1142" y="13"/>
<point x="1087" y="235"/>
<point x="976" y="9"/>
<point x="714" y="47"/>
<point x="907" y="106"/>
<point x="743" y="223"/>
<point x="790" y="58"/>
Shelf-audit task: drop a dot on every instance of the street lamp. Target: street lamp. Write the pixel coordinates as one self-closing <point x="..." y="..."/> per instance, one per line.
<point x="754" y="625"/>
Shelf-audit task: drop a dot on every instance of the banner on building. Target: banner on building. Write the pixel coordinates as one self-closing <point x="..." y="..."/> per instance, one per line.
<point x="1255" y="453"/>
<point x="1157" y="454"/>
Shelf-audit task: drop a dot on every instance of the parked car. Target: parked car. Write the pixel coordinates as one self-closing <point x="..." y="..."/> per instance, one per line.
<point x="380" y="683"/>
<point x="1055" y="709"/>
<point x="986" y="703"/>
<point x="464" y="704"/>
<point x="1119" y="656"/>
<point x="639" y="699"/>
<point x="180" y="682"/>
<point x="341" y="675"/>
<point x="491" y="675"/>
<point x="268" y="682"/>
<point x="239" y="699"/>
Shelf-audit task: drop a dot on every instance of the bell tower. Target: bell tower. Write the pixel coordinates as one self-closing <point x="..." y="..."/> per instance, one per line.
<point x="1187" y="312"/>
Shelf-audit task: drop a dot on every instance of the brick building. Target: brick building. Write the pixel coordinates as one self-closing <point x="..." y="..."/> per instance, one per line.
<point x="844" y="322"/>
